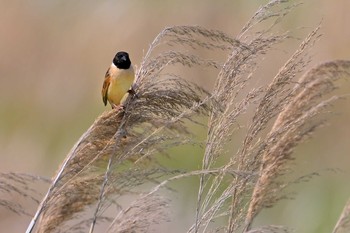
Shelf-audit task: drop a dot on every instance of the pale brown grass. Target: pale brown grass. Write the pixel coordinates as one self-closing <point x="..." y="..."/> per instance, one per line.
<point x="118" y="156"/>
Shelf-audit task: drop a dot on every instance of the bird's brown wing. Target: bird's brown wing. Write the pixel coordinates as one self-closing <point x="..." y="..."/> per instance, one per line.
<point x="105" y="87"/>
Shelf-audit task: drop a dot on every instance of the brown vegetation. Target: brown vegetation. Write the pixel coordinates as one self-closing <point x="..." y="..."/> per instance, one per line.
<point x="118" y="155"/>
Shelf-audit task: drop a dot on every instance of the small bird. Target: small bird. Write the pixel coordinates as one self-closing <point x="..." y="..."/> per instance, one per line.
<point x="118" y="79"/>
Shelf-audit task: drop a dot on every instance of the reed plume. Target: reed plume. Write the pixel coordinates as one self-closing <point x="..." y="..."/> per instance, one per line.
<point x="117" y="158"/>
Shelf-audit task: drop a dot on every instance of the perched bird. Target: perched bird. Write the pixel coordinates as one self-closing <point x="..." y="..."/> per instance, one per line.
<point x="118" y="79"/>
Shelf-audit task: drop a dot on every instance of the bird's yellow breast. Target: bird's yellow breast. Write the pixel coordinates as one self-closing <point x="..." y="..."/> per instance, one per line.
<point x="121" y="81"/>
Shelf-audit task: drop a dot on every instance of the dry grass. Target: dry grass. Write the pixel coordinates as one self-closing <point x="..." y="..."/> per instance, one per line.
<point x="343" y="224"/>
<point x="118" y="155"/>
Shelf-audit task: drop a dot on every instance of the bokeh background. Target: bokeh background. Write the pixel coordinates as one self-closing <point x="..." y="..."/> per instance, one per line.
<point x="53" y="57"/>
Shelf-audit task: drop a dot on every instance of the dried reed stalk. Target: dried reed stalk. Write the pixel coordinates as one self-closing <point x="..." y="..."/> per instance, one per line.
<point x="118" y="155"/>
<point x="343" y="224"/>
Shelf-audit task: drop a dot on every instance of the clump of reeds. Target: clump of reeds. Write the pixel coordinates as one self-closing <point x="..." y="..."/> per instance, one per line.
<point x="118" y="155"/>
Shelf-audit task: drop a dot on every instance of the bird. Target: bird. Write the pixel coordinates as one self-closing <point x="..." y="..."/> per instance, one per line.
<point x="118" y="80"/>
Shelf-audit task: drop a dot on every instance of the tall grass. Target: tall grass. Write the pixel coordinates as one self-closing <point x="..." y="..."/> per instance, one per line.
<point x="118" y="156"/>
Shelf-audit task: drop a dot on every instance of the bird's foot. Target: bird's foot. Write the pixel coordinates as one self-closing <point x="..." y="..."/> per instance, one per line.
<point x="117" y="107"/>
<point x="132" y="92"/>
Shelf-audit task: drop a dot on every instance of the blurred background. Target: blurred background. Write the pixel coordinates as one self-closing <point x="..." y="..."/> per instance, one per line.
<point x="54" y="54"/>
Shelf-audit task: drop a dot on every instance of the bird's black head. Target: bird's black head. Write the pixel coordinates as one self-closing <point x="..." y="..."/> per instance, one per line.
<point x="122" y="60"/>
